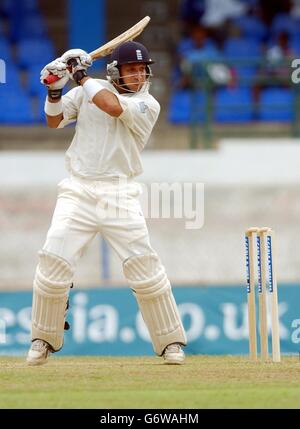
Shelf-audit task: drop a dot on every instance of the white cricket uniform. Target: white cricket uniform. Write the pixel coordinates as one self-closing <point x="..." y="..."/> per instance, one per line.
<point x="103" y="159"/>
<point x="101" y="196"/>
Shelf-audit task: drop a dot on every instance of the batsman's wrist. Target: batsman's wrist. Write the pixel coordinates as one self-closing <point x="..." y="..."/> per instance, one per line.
<point x="55" y="94"/>
<point x="91" y="87"/>
<point x="79" y="75"/>
<point x="53" y="109"/>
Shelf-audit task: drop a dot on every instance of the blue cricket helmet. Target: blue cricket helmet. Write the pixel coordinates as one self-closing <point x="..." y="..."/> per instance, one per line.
<point x="130" y="52"/>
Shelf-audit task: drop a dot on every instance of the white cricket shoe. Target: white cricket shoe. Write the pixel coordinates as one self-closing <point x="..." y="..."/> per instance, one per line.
<point x="174" y="354"/>
<point x="38" y="353"/>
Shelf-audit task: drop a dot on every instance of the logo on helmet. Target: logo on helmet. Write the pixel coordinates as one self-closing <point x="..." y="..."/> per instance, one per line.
<point x="139" y="55"/>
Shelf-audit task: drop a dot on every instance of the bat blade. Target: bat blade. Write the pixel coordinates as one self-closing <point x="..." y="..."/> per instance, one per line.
<point x="129" y="34"/>
<point x="107" y="49"/>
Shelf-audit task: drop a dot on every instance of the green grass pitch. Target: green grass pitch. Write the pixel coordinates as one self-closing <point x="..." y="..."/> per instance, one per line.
<point x="145" y="382"/>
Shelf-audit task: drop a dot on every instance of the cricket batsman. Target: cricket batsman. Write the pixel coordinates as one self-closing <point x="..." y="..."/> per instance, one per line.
<point x="114" y="120"/>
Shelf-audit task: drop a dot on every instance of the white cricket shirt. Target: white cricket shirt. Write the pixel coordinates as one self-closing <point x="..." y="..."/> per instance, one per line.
<point x="103" y="146"/>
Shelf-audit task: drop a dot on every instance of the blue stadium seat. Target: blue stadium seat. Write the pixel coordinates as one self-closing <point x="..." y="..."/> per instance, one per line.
<point x="233" y="105"/>
<point x="187" y="44"/>
<point x="284" y="22"/>
<point x="29" y="26"/>
<point x="276" y="104"/>
<point x="245" y="74"/>
<point x="242" y="48"/>
<point x="41" y="52"/>
<point x="251" y="27"/>
<point x="186" y="106"/>
<point x="17" y="12"/>
<point x="5" y="53"/>
<point x="184" y="45"/>
<point x="11" y="7"/>
<point x="15" y="109"/>
<point x="294" y="44"/>
<point x="34" y="85"/>
<point x="245" y="55"/>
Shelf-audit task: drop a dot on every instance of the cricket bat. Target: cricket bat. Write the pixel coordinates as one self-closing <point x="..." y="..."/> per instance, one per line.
<point x="107" y="49"/>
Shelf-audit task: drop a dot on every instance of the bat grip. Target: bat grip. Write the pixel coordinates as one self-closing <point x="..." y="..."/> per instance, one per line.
<point x="53" y="78"/>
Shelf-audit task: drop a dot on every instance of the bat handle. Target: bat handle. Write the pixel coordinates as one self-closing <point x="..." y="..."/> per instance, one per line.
<point x="53" y="78"/>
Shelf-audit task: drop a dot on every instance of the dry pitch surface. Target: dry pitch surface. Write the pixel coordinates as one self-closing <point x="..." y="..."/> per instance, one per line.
<point x="144" y="382"/>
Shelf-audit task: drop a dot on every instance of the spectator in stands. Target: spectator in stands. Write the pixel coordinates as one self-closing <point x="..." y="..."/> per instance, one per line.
<point x="276" y="66"/>
<point x="191" y="62"/>
<point x="279" y="56"/>
<point x="218" y="13"/>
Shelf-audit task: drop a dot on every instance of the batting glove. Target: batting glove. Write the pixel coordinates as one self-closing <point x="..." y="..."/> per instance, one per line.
<point x="77" y="61"/>
<point x="83" y="58"/>
<point x="57" y="68"/>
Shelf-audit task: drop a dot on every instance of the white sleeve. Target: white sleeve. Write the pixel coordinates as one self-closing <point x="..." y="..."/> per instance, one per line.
<point x="71" y="103"/>
<point x="140" y="115"/>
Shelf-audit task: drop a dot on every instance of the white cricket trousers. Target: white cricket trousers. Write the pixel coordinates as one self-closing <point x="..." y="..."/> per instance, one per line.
<point x="85" y="208"/>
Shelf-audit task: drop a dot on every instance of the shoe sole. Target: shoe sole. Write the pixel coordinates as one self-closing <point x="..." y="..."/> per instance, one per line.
<point x="174" y="361"/>
<point x="36" y="362"/>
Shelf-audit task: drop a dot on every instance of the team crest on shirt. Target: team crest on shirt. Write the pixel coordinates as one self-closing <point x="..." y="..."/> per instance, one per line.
<point x="143" y="107"/>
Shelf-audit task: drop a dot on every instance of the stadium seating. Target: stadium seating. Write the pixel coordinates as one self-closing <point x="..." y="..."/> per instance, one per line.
<point x="233" y="105"/>
<point x="34" y="85"/>
<point x="241" y="48"/>
<point x="244" y="54"/>
<point x="25" y="33"/>
<point x="284" y="22"/>
<point x="276" y="104"/>
<point x="295" y="44"/>
<point x="15" y="108"/>
<point x="12" y="7"/>
<point x="186" y="106"/>
<point x="5" y="51"/>
<point x="41" y="51"/>
<point x="31" y="26"/>
<point x="251" y="27"/>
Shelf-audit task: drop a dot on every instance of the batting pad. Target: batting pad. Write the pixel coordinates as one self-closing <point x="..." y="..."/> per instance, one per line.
<point x="148" y="280"/>
<point x="50" y="294"/>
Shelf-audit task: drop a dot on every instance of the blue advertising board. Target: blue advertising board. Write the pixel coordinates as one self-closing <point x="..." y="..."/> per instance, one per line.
<point x="107" y="321"/>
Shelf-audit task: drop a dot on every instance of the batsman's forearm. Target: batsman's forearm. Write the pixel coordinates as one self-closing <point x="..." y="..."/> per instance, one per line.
<point x="54" y="121"/>
<point x="108" y="102"/>
<point x="103" y="98"/>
